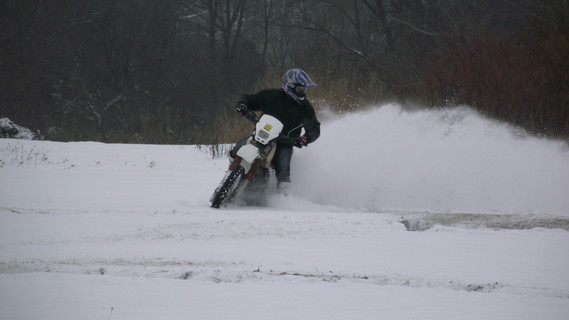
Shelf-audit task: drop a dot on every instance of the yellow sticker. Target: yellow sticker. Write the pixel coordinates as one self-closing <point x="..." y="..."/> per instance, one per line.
<point x="268" y="127"/>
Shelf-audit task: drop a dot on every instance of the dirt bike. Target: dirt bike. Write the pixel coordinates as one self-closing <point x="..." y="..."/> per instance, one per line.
<point x="248" y="171"/>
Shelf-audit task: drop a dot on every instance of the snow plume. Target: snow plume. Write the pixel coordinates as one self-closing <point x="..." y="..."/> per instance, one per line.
<point x="453" y="160"/>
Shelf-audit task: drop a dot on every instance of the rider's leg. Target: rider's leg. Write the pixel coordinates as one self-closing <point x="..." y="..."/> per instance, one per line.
<point x="281" y="164"/>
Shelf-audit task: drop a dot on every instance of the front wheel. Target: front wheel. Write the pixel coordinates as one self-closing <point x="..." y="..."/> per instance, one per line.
<point x="227" y="188"/>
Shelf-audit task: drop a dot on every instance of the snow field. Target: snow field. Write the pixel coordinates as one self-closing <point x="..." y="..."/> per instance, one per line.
<point x="86" y="227"/>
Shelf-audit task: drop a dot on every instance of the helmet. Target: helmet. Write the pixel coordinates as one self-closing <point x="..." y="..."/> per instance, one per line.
<point x="296" y="83"/>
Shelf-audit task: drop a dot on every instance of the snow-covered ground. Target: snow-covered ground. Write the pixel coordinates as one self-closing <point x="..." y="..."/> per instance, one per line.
<point x="392" y="215"/>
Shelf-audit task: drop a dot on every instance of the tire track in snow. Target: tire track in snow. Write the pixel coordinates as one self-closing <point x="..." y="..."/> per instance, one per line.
<point x="239" y="272"/>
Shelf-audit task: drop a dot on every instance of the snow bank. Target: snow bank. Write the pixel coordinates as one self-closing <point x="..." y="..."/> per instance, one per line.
<point x="8" y="129"/>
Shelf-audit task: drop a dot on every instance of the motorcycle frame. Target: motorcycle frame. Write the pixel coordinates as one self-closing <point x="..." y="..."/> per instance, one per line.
<point x="253" y="155"/>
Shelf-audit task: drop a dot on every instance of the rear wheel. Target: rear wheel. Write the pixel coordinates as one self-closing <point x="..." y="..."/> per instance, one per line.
<point x="227" y="188"/>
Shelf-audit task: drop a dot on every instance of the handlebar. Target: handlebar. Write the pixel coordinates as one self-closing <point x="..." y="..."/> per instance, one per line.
<point x="251" y="116"/>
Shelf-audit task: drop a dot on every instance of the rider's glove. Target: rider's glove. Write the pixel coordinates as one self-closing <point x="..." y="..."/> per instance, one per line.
<point x="301" y="142"/>
<point x="241" y="108"/>
<point x="285" y="141"/>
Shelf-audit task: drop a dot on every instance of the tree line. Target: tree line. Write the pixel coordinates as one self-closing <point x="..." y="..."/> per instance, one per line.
<point x="168" y="71"/>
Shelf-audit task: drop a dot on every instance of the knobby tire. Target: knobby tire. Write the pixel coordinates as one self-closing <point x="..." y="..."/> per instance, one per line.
<point x="228" y="188"/>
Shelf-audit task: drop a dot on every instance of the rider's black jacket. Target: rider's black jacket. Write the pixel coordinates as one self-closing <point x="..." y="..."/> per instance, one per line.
<point x="277" y="103"/>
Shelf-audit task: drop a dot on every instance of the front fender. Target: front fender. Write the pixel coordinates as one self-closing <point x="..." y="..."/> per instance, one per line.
<point x="248" y="153"/>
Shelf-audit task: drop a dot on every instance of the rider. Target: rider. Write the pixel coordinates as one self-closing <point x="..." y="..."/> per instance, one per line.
<point x="291" y="107"/>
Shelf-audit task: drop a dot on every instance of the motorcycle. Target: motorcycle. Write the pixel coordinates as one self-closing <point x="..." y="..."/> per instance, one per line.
<point x="248" y="173"/>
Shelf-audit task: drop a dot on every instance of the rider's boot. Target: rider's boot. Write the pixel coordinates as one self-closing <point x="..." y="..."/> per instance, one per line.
<point x="283" y="184"/>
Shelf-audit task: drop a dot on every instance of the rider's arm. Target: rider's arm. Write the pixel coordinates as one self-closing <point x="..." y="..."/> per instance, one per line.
<point x="311" y="127"/>
<point x="252" y="101"/>
<point x="311" y="124"/>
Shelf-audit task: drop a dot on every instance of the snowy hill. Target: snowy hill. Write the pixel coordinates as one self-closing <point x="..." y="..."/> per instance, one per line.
<point x="392" y="215"/>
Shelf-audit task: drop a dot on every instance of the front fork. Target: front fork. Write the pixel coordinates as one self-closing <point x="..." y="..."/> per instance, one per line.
<point x="252" y="172"/>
